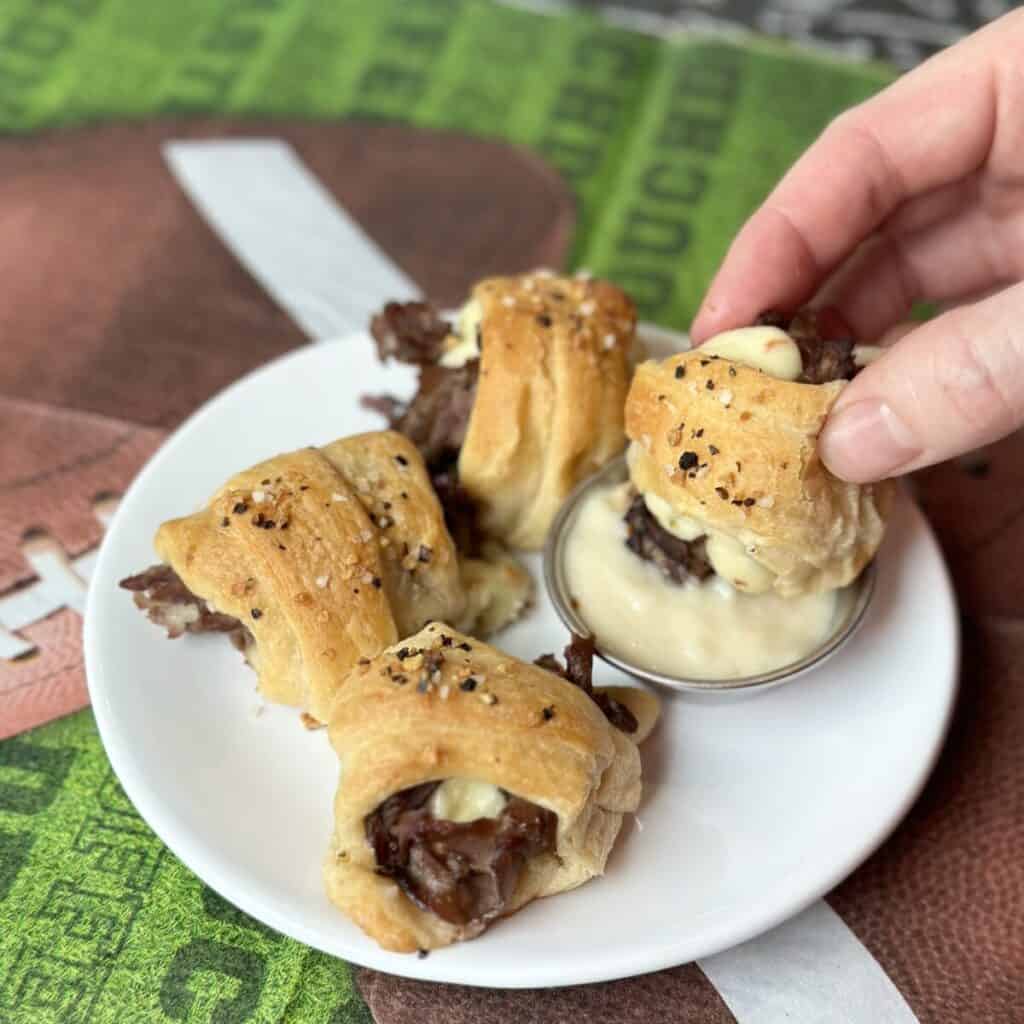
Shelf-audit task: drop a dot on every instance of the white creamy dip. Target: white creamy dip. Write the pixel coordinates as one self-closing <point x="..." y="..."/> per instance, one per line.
<point x="461" y="800"/>
<point x="693" y="630"/>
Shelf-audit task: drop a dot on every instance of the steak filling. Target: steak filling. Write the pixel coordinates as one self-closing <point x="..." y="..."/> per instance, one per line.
<point x="161" y="594"/>
<point x="826" y="344"/>
<point x="676" y="558"/>
<point x="578" y="670"/>
<point x="436" y="418"/>
<point x="465" y="872"/>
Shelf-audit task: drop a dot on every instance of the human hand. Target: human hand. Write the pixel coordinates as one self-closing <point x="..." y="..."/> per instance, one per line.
<point x="916" y="194"/>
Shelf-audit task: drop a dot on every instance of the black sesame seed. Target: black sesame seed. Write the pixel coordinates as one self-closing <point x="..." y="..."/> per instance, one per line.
<point x="281" y="547"/>
<point x="704" y="362"/>
<point x="376" y="581"/>
<point x="240" y="507"/>
<point x="722" y="493"/>
<point x="401" y="460"/>
<point x="468" y="685"/>
<point x="387" y="506"/>
<point x="748" y="502"/>
<point x="548" y="713"/>
<point x="265" y="482"/>
<point x="446" y="641"/>
<point x="405" y="496"/>
<point x="544" y="320"/>
<point x="284" y="525"/>
<point x="403" y="653"/>
<point x="424" y="554"/>
<point x="688" y="460"/>
<point x="256" y="613"/>
<point x="304" y="487"/>
<point x="712" y="449"/>
<point x="465" y="647"/>
<point x="699" y="433"/>
<point x="732" y="371"/>
<point x="225" y="521"/>
<point x="680" y="372"/>
<point x="710" y="385"/>
<point x="422" y="954"/>
<point x="737" y="501"/>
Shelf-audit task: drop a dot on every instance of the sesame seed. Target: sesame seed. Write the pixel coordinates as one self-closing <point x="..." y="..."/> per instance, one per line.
<point x="680" y="372"/>
<point x="225" y="521"/>
<point x="712" y="449"/>
<point x="338" y="497"/>
<point x="468" y="685"/>
<point x="258" y="497"/>
<point x="401" y="460"/>
<point x="488" y="698"/>
<point x="366" y="536"/>
<point x="240" y="508"/>
<point x="766" y="502"/>
<point x="322" y="581"/>
<point x="688" y="460"/>
<point x="609" y="342"/>
<point x="444" y="691"/>
<point x="710" y="385"/>
<point x="548" y="713"/>
<point x="544" y="320"/>
<point x="508" y="301"/>
<point x="255" y="613"/>
<point x="588" y="308"/>
<point x="725" y="397"/>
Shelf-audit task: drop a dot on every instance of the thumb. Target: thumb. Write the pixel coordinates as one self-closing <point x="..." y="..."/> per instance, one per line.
<point x="952" y="384"/>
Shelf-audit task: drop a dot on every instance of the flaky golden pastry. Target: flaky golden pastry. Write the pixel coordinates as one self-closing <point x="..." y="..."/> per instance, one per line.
<point x="554" y="369"/>
<point x="736" y="450"/>
<point x="404" y="719"/>
<point x="325" y="555"/>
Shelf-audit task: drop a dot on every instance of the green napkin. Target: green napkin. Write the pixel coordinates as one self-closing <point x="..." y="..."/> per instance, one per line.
<point x="668" y="145"/>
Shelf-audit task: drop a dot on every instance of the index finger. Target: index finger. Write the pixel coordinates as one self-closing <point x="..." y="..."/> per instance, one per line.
<point x="932" y="127"/>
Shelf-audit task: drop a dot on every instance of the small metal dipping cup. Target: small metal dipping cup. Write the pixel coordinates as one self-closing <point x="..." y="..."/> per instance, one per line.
<point x="850" y="611"/>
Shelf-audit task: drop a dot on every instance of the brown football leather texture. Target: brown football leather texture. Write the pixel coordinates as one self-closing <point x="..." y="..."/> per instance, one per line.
<point x="119" y="300"/>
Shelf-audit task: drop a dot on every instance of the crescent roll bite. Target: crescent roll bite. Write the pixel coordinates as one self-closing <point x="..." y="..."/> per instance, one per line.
<point x="518" y="400"/>
<point x="724" y="458"/>
<point x="472" y="783"/>
<point x="310" y="561"/>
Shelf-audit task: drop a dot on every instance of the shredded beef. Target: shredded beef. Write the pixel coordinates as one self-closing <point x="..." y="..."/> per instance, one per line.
<point x="677" y="559"/>
<point x="436" y="418"/>
<point x="578" y="670"/>
<point x="465" y="872"/>
<point x="161" y="594"/>
<point x="460" y="511"/>
<point x="825" y="343"/>
<point x="411" y="332"/>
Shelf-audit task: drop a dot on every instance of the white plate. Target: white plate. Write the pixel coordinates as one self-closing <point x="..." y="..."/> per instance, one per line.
<point x="753" y="807"/>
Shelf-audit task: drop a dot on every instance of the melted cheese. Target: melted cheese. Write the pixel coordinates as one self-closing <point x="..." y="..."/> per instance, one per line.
<point x="463" y="800"/>
<point x="465" y="345"/>
<point x="769" y="349"/>
<point x="695" y="630"/>
<point x="726" y="554"/>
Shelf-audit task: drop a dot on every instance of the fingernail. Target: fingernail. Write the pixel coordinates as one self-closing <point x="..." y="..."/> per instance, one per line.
<point x="867" y="441"/>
